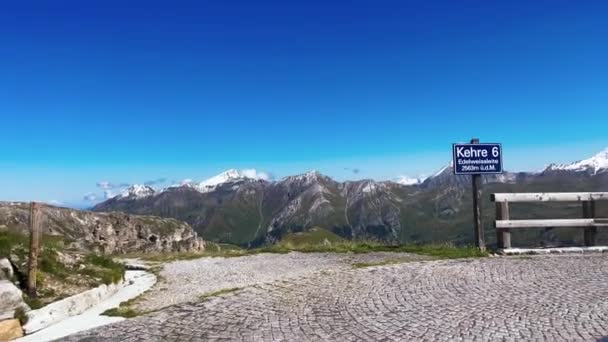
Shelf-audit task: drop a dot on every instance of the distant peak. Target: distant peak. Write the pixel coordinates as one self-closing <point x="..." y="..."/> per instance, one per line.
<point x="446" y="167"/>
<point x="595" y="164"/>
<point x="137" y="191"/>
<point x="308" y="177"/>
<point x="231" y="175"/>
<point x="407" y="180"/>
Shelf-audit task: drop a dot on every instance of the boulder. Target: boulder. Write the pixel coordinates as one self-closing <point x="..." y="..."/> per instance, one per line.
<point x="10" y="330"/>
<point x="6" y="269"/>
<point x="11" y="298"/>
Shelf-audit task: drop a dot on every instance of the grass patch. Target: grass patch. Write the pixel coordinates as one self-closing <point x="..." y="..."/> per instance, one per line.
<point x="378" y="263"/>
<point x="219" y="293"/>
<point x="211" y="250"/>
<point x="124" y="309"/>
<point x="309" y="243"/>
<point x="442" y="251"/>
<point x="314" y="236"/>
<point x="34" y="303"/>
<point x="50" y="264"/>
<point x="103" y="268"/>
<point x="121" y="312"/>
<point x="10" y="240"/>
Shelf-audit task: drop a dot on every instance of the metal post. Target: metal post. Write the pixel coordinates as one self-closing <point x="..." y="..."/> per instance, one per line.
<point x="503" y="236"/>
<point x="589" y="212"/>
<point x="34" y="248"/>
<point x="479" y="236"/>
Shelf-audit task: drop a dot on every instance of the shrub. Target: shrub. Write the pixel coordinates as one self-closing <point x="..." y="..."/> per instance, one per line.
<point x="103" y="268"/>
<point x="51" y="265"/>
<point x="21" y="315"/>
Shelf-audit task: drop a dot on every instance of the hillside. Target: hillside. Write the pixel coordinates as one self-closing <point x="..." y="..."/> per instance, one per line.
<point x="104" y="233"/>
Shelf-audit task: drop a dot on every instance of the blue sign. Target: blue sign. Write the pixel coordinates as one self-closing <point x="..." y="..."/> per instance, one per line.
<point x="474" y="159"/>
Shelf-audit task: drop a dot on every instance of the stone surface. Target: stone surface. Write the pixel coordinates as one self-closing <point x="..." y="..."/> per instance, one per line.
<point x="10" y="299"/>
<point x="542" y="298"/>
<point x="10" y="330"/>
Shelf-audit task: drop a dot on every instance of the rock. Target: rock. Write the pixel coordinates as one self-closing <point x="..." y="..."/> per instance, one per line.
<point x="6" y="269"/>
<point x="10" y="330"/>
<point x="105" y="233"/>
<point x="135" y="267"/>
<point x="10" y="299"/>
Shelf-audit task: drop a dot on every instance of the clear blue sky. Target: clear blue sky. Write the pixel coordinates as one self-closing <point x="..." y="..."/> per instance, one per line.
<point x="93" y="91"/>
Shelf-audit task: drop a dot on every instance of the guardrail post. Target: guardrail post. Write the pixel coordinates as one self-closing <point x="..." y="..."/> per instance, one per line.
<point x="503" y="236"/>
<point x="589" y="212"/>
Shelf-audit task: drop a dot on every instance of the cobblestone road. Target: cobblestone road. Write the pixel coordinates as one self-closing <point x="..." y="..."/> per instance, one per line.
<point x="548" y="298"/>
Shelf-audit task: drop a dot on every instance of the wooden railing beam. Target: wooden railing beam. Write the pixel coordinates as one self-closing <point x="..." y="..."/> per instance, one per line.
<point x="550" y="197"/>
<point x="552" y="223"/>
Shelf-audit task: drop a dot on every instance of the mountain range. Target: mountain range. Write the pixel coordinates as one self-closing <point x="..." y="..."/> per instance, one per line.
<point x="246" y="208"/>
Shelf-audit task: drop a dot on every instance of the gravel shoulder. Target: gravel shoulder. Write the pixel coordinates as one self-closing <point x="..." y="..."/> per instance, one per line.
<point x="187" y="280"/>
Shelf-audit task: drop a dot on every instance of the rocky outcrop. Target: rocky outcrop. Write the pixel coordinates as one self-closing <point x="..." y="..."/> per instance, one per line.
<point x="6" y="269"/>
<point x="11" y="298"/>
<point x="105" y="233"/>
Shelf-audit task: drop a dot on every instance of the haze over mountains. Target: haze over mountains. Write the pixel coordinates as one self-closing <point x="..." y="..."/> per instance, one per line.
<point x="246" y="208"/>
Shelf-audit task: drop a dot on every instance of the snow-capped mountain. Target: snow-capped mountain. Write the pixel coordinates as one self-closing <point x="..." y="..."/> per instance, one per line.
<point x="307" y="178"/>
<point x="596" y="164"/>
<point x="136" y="191"/>
<point x="406" y="180"/>
<point x="445" y="177"/>
<point x="230" y="176"/>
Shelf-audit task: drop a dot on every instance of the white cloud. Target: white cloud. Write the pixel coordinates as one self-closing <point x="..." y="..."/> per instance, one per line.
<point x="105" y="185"/>
<point x="255" y="174"/>
<point x="90" y="197"/>
<point x="108" y="194"/>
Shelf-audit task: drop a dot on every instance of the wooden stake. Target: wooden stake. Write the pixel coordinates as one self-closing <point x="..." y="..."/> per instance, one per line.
<point x="589" y="212"/>
<point x="34" y="248"/>
<point x="479" y="236"/>
<point x="503" y="236"/>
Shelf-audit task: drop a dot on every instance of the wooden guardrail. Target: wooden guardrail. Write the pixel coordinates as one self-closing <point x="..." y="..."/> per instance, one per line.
<point x="589" y="222"/>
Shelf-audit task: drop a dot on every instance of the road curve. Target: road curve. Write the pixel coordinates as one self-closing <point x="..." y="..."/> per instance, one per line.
<point x="556" y="298"/>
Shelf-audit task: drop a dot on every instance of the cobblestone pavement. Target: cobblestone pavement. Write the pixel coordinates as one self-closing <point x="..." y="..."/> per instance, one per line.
<point x="187" y="280"/>
<point x="548" y="298"/>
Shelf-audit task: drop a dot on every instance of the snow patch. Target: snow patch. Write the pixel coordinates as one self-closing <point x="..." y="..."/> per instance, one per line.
<point x="595" y="164"/>
<point x="406" y="180"/>
<point x="230" y="176"/>
<point x="369" y="187"/>
<point x="137" y="191"/>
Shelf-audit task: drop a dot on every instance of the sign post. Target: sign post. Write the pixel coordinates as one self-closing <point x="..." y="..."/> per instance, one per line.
<point x="476" y="159"/>
<point x="34" y="248"/>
